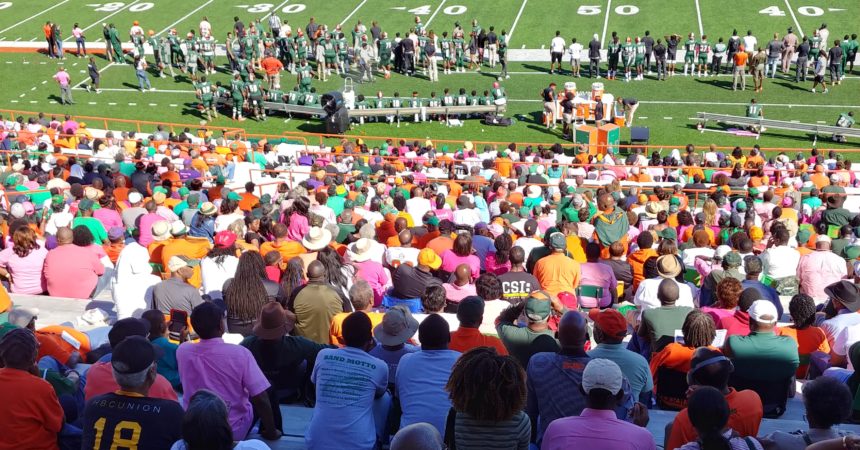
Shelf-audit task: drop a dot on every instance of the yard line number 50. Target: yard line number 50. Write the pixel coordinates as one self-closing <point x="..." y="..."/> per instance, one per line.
<point x="593" y="10"/>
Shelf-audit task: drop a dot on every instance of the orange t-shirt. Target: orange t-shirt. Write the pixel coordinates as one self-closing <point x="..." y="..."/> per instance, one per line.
<point x="465" y="339"/>
<point x="100" y="381"/>
<point x="191" y="247"/>
<point x="422" y="241"/>
<point x="336" y="329"/>
<point x="51" y="343"/>
<point x="809" y="339"/>
<point x="287" y="249"/>
<point x="745" y="413"/>
<point x="393" y="241"/>
<point x="271" y="65"/>
<point x="557" y="273"/>
<point x="32" y="415"/>
<point x="741" y="58"/>
<point x="155" y="251"/>
<point x="637" y="262"/>
<point x="120" y="194"/>
<point x="47" y="30"/>
<point x="248" y="201"/>
<point x="439" y="244"/>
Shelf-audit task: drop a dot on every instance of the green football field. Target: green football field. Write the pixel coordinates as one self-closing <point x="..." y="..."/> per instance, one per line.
<point x="666" y="106"/>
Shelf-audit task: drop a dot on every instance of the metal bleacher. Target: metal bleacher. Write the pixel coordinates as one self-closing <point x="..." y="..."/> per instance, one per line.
<point x="761" y="123"/>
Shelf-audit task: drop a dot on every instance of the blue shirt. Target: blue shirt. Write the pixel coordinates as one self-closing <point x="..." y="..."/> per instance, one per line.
<point x="392" y="357"/>
<point x="633" y="365"/>
<point x="767" y="293"/>
<point x="347" y="381"/>
<point x="420" y="386"/>
<point x="167" y="365"/>
<point x="482" y="246"/>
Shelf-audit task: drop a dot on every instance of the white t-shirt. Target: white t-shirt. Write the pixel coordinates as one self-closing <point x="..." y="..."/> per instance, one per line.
<point x="402" y="254"/>
<point x="528" y="244"/>
<point x="557" y="45"/>
<point x="214" y="274"/>
<point x="646" y="294"/>
<point x="575" y="50"/>
<point x="417" y="207"/>
<point x="750" y="43"/>
<point x="780" y="262"/>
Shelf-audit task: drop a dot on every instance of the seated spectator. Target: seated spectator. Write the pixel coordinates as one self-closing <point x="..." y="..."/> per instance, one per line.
<point x="433" y="302"/>
<point x="205" y="425"/>
<point x="72" y="270"/>
<point x="621" y="268"/>
<point x="175" y="292"/>
<point x="698" y="331"/>
<point x="468" y="335"/>
<point x="346" y="407"/>
<point x="554" y="379"/>
<point x="129" y="417"/>
<point x="780" y="263"/>
<point x="753" y="269"/>
<point x="461" y="253"/>
<point x="668" y="268"/>
<point x="100" y="376"/>
<point x="841" y="317"/>
<point x="489" y="288"/>
<point x="410" y="282"/>
<point x="739" y="322"/>
<point x="392" y="336"/>
<point x="159" y="336"/>
<point x="499" y="261"/>
<point x="247" y="292"/>
<point x="184" y="245"/>
<point x="557" y="272"/>
<point x="730" y="268"/>
<point x="421" y="376"/>
<point x="516" y="283"/>
<point x="536" y="336"/>
<point x="594" y="273"/>
<point x="644" y="252"/>
<point x="22" y="262"/>
<point x="226" y="369"/>
<point x="610" y="328"/>
<point x="405" y="253"/>
<point x="135" y="283"/>
<point x="809" y="338"/>
<point x="418" y="436"/>
<point x="315" y="304"/>
<point x="219" y="264"/>
<point x="31" y="410"/>
<point x="827" y="403"/>
<point x="659" y="324"/>
<point x="361" y="297"/>
<point x="462" y="286"/>
<point x="598" y="426"/>
<point x="488" y="393"/>
<point x="709" y="368"/>
<point x="728" y="293"/>
<point x="709" y="414"/>
<point x="368" y="269"/>
<point x="762" y="355"/>
<point x="820" y="269"/>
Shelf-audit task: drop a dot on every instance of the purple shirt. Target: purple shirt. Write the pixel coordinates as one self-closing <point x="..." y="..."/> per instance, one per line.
<point x="598" y="274"/>
<point x="228" y="370"/>
<point x="596" y="428"/>
<point x="376" y="277"/>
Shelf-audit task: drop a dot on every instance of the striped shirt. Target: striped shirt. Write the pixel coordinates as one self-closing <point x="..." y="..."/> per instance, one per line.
<point x="511" y="434"/>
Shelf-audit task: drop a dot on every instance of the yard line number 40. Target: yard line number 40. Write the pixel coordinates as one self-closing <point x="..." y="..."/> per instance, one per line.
<point x="811" y="11"/>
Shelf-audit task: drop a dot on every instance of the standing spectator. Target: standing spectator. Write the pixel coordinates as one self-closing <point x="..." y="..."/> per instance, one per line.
<point x="594" y="57"/>
<point x="346" y="407"/>
<point x="80" y="41"/>
<point x="72" y="270"/>
<point x="556" y="51"/>
<point x="820" y="269"/>
<point x="774" y="49"/>
<point x="709" y="413"/>
<point x="49" y="38"/>
<point x="739" y="61"/>
<point x="31" y="410"/>
<point x="470" y="313"/>
<point x="129" y="415"/>
<point x="228" y="370"/>
<point x="140" y="71"/>
<point x="64" y="81"/>
<point x="23" y="262"/>
<point x="488" y="393"/>
<point x="315" y="305"/>
<point x="421" y="376"/>
<point x="610" y="328"/>
<point x="536" y="336"/>
<point x="598" y="426"/>
<point x="801" y="68"/>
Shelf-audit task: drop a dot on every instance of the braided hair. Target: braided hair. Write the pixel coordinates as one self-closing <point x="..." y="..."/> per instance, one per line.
<point x="246" y="294"/>
<point x="802" y="310"/>
<point x="699" y="329"/>
<point x="487" y="386"/>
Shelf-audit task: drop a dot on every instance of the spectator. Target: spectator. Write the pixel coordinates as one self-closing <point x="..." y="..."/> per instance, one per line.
<point x="184" y="245"/>
<point x="461" y="253"/>
<point x="489" y="288"/>
<point x="346" y="407"/>
<point x="368" y="269"/>
<point x="411" y="282"/>
<point x="517" y="284"/>
<point x="433" y="302"/>
<point x="421" y="376"/>
<point x="467" y="336"/>
<point x="219" y="264"/>
<point x="698" y="331"/>
<point x="597" y="426"/>
<point x="840" y="317"/>
<point x="557" y="272"/>
<point x="228" y="370"/>
<point x="315" y="304"/>
<point x="668" y="267"/>
<point x="22" y="262"/>
<point x="159" y="336"/>
<point x="753" y="269"/>
<point x="247" y="292"/>
<point x="762" y="355"/>
<point x="205" y="425"/>
<point x="645" y="251"/>
<point x="462" y="286"/>
<point x="488" y="393"/>
<point x="827" y="403"/>
<point x="361" y="297"/>
<point x="72" y="270"/>
<point x="599" y="275"/>
<point x="659" y="324"/>
<point x="739" y="322"/>
<point x="536" y="336"/>
<point x="418" y="436"/>
<point x="728" y="293"/>
<point x="31" y="410"/>
<point x="621" y="268"/>
<point x="392" y="334"/>
<point x="730" y="267"/>
<point x="780" y="263"/>
<point x="819" y="269"/>
<point x="809" y="339"/>
<point x="134" y="370"/>
<point x="709" y="368"/>
<point x="134" y="287"/>
<point x="175" y="292"/>
<point x="709" y="413"/>
<point x="610" y="328"/>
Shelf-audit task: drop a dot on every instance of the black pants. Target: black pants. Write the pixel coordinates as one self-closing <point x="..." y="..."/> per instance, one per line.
<point x="716" y="64"/>
<point x="408" y="59"/>
<point x="51" y="46"/>
<point x="731" y="58"/>
<point x="647" y="60"/>
<point x="661" y="67"/>
<point x="800" y="69"/>
<point x="613" y="63"/>
<point x="593" y="67"/>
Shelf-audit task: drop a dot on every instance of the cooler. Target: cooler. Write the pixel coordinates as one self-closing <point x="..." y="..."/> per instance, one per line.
<point x="587" y="135"/>
<point x="596" y="90"/>
<point x="570" y="86"/>
<point x="609" y="137"/>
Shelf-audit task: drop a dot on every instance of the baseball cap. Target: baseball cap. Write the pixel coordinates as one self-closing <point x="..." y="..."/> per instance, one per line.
<point x="427" y="257"/>
<point x="722" y="251"/>
<point x="761" y="310"/>
<point x="471" y="309"/>
<point x="124" y="328"/>
<point x="134" y="197"/>
<point x="22" y="316"/>
<point x="432" y="220"/>
<point x="85" y="205"/>
<point x="609" y="321"/>
<point x="823" y="238"/>
<point x="557" y="241"/>
<point x="224" y="238"/>
<point x="177" y="262"/>
<point x="603" y="374"/>
<point x="733" y="259"/>
<point x="538" y="306"/>
<point x="115" y="233"/>
<point x="134" y="354"/>
<point x="184" y="191"/>
<point x="668" y="233"/>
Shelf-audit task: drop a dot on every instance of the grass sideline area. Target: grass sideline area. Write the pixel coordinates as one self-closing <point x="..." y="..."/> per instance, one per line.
<point x="666" y="106"/>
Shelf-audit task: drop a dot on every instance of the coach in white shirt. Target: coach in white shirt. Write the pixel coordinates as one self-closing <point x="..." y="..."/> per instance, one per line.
<point x="575" y="51"/>
<point x="556" y="50"/>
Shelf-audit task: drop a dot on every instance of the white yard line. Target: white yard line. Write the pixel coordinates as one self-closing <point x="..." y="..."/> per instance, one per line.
<point x="33" y="16"/>
<point x="794" y="17"/>
<point x="105" y="18"/>
<point x="275" y="10"/>
<point x="353" y="12"/>
<point x="699" y="16"/>
<point x="167" y="28"/>
<point x="605" y="22"/>
<point x="438" y="8"/>
<point x="517" y="20"/>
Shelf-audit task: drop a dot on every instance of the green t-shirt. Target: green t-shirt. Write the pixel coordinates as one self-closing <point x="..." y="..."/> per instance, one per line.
<point x="95" y="226"/>
<point x="662" y="322"/>
<point x="763" y="356"/>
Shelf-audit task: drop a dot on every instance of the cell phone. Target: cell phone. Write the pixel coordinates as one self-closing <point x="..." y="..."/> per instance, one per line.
<point x="178" y="321"/>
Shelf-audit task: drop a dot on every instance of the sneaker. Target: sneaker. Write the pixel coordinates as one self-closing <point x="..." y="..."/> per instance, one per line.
<point x="152" y="89"/>
<point x="98" y="91"/>
<point x="813" y="90"/>
<point x="826" y="91"/>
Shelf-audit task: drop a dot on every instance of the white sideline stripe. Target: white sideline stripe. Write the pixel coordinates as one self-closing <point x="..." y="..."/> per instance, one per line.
<point x="33" y="16"/>
<point x="103" y="19"/>
<point x="353" y="12"/>
<point x="794" y="17"/>
<point x="605" y="22"/>
<point x="433" y="16"/>
<point x="517" y="20"/>
<point x="167" y="28"/>
<point x="699" y="16"/>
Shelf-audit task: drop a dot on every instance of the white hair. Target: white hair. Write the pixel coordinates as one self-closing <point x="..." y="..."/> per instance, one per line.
<point x="418" y="436"/>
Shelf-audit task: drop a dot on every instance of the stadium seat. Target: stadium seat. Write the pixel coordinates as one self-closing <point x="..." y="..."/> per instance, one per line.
<point x="774" y="395"/>
<point x="671" y="390"/>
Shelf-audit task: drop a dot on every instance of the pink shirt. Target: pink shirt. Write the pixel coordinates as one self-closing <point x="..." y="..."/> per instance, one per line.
<point x="451" y="260"/>
<point x="456" y="293"/>
<point x="376" y="277"/>
<point x="298" y="227"/>
<point x="145" y="223"/>
<point x="596" y="428"/>
<point x="228" y="370"/>
<point x="818" y="270"/>
<point x="62" y="77"/>
<point x="597" y="274"/>
<point x="27" y="275"/>
<point x="72" y="271"/>
<point x="108" y="217"/>
<point x="494" y="267"/>
<point x="718" y="314"/>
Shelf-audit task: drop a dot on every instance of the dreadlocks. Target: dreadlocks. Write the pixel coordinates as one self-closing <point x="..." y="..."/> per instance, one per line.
<point x="487" y="386"/>
<point x="699" y="329"/>
<point x="802" y="310"/>
<point x="246" y="293"/>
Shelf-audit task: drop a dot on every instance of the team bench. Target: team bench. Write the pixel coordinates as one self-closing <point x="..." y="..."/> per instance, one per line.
<point x="759" y="123"/>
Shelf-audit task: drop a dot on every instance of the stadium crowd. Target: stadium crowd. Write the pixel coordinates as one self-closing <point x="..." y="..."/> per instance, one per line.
<point x="417" y="296"/>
